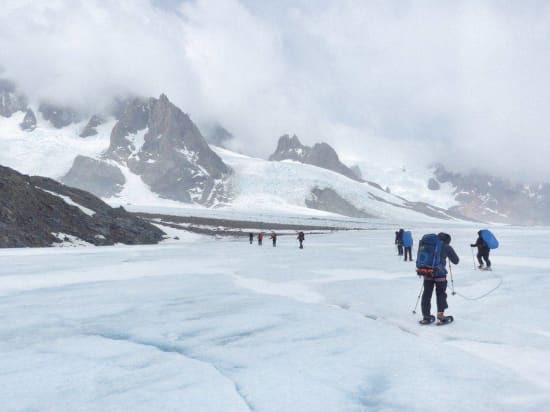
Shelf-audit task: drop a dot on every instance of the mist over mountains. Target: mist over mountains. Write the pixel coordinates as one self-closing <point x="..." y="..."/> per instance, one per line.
<point x="428" y="80"/>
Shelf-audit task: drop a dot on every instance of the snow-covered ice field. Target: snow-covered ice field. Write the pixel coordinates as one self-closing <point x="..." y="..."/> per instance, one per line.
<point x="221" y="325"/>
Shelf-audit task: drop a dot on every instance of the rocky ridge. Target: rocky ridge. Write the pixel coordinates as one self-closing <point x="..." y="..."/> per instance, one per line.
<point x="320" y="155"/>
<point x="37" y="211"/>
<point x="492" y="199"/>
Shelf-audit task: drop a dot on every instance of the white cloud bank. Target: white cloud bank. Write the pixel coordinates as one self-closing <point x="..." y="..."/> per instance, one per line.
<point x="465" y="81"/>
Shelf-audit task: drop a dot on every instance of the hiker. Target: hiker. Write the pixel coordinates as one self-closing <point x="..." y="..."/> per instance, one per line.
<point x="435" y="276"/>
<point x="251" y="237"/>
<point x="301" y="238"/>
<point x="274" y="238"/>
<point x="482" y="251"/>
<point x="260" y="238"/>
<point x="399" y="241"/>
<point x="407" y="245"/>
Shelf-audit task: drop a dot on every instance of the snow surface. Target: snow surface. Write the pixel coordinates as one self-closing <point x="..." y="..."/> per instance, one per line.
<point x="220" y="325"/>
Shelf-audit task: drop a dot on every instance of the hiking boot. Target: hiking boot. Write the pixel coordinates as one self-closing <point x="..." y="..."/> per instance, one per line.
<point x="441" y="316"/>
<point x="480" y="267"/>
<point x="427" y="320"/>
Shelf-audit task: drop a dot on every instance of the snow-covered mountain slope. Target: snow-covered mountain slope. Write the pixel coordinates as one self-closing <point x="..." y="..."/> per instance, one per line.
<point x="47" y="151"/>
<point x="258" y="184"/>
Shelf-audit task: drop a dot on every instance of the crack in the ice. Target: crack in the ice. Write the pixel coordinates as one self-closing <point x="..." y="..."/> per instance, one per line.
<point x="167" y="348"/>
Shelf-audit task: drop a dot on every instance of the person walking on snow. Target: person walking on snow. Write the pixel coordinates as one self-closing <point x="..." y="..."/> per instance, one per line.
<point x="399" y="240"/>
<point x="260" y="238"/>
<point x="407" y="245"/>
<point x="274" y="238"/>
<point x="438" y="279"/>
<point x="482" y="251"/>
<point x="301" y="237"/>
<point x="251" y="237"/>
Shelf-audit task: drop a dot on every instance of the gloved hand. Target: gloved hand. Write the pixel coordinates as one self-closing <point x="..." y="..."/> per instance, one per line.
<point x="472" y="245"/>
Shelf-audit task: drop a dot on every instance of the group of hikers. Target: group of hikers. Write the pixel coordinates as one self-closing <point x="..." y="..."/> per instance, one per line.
<point x="433" y="252"/>
<point x="273" y="236"/>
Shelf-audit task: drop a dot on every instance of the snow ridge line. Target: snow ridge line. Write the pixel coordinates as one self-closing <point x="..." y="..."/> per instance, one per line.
<point x="167" y="348"/>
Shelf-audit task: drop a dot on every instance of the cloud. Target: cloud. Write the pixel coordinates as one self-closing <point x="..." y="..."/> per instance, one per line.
<point x="464" y="83"/>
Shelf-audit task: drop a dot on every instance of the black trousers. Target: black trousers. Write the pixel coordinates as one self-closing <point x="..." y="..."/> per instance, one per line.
<point x="484" y="253"/>
<point x="400" y="249"/>
<point x="408" y="251"/>
<point x="440" y="293"/>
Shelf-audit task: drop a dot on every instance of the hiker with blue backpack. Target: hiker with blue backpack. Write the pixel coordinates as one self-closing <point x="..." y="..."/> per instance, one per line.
<point x="431" y="261"/>
<point x="407" y="245"/>
<point x="484" y="243"/>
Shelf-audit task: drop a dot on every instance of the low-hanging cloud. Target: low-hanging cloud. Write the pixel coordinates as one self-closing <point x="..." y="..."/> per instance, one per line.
<point x="464" y="83"/>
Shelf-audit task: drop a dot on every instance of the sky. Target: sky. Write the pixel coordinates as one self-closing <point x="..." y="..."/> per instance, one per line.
<point x="464" y="83"/>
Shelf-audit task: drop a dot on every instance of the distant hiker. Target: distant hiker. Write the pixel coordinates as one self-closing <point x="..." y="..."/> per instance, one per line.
<point x="407" y="244"/>
<point x="301" y="238"/>
<point x="433" y="251"/>
<point x="260" y="238"/>
<point x="251" y="237"/>
<point x="399" y="240"/>
<point x="482" y="251"/>
<point x="274" y="238"/>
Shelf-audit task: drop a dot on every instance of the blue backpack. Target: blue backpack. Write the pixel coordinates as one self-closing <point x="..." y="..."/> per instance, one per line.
<point x="489" y="238"/>
<point x="407" y="239"/>
<point x="428" y="259"/>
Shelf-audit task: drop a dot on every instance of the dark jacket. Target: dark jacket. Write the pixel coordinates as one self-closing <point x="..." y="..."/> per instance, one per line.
<point x="480" y="243"/>
<point x="399" y="237"/>
<point x="447" y="251"/>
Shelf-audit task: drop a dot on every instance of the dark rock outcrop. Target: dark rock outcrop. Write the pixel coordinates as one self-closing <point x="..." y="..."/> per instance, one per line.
<point x="10" y="100"/>
<point x="320" y="155"/>
<point x="161" y="144"/>
<point x="29" y="121"/>
<point x="91" y="128"/>
<point x="357" y="171"/>
<point x="96" y="176"/>
<point x="31" y="215"/>
<point x="218" y="136"/>
<point x="329" y="201"/>
<point x="433" y="184"/>
<point x="59" y="116"/>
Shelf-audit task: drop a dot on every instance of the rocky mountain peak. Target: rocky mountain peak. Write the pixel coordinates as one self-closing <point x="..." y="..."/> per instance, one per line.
<point x="489" y="198"/>
<point x="91" y="127"/>
<point x="29" y="121"/>
<point x="159" y="142"/>
<point x="320" y="155"/>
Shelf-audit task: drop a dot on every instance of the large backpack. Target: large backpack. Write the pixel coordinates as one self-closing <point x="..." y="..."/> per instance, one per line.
<point x="407" y="239"/>
<point x="489" y="238"/>
<point x="428" y="258"/>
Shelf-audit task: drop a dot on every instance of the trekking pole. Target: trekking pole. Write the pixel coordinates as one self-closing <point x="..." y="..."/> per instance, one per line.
<point x="418" y="299"/>
<point x="452" y="282"/>
<point x="473" y="259"/>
